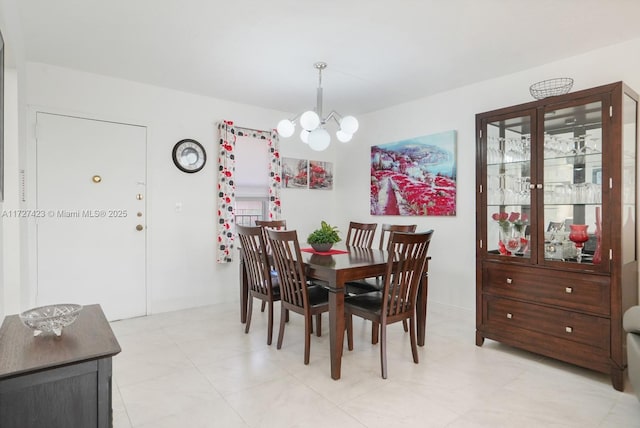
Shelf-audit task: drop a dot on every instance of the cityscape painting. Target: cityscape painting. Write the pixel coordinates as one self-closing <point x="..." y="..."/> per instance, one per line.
<point x="294" y="173"/>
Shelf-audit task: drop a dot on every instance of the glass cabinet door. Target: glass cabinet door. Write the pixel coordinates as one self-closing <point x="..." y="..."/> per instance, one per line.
<point x="573" y="184"/>
<point x="508" y="181"/>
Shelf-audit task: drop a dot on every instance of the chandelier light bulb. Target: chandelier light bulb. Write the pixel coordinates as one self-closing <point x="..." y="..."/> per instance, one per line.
<point x="309" y="120"/>
<point x="319" y="139"/>
<point x="286" y="128"/>
<point x="304" y="136"/>
<point x="349" y="124"/>
<point x="343" y="137"/>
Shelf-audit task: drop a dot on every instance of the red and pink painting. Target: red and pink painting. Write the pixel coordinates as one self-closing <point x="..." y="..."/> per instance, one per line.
<point x="415" y="177"/>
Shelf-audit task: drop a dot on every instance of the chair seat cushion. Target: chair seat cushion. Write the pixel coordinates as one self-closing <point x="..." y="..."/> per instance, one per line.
<point x="318" y="295"/>
<point x="371" y="302"/>
<point x="364" y="285"/>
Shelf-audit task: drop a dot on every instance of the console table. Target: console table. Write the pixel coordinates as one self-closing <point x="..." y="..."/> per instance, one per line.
<point x="57" y="382"/>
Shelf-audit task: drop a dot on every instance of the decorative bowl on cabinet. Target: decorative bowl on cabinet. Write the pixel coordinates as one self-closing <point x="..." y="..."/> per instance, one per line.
<point x="51" y="318"/>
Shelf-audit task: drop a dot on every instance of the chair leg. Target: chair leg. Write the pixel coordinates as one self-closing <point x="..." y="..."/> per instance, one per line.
<point x="270" y="323"/>
<point x="383" y="349"/>
<point x="307" y="338"/>
<point x="318" y="325"/>
<point x="374" y="332"/>
<point x="414" y="344"/>
<point x="249" y="311"/>
<point x="263" y="306"/>
<point x="281" y="331"/>
<point x="349" y="323"/>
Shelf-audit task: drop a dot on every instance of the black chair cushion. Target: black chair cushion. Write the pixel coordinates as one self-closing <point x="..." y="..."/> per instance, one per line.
<point x="371" y="302"/>
<point x="364" y="286"/>
<point x="318" y="295"/>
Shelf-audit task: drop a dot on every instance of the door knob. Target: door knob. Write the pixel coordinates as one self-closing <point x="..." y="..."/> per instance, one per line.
<point x="139" y="227"/>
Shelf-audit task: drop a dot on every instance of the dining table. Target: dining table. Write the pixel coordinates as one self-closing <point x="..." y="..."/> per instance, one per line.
<point x="335" y="269"/>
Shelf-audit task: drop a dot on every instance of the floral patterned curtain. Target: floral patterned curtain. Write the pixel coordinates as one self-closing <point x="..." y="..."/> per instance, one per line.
<point x="226" y="196"/>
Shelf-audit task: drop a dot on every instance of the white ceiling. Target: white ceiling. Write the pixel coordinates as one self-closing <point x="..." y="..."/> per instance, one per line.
<point x="261" y="52"/>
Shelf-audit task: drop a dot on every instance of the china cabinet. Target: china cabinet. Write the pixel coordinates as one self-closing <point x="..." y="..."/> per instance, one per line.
<point x="556" y="255"/>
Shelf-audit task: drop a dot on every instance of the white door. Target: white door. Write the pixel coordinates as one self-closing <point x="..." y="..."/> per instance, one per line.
<point x="91" y="214"/>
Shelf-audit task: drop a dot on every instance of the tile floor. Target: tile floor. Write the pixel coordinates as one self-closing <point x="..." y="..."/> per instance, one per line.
<point x="198" y="368"/>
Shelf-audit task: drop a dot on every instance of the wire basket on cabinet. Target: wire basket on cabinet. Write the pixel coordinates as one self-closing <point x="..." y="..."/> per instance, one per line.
<point x="551" y="87"/>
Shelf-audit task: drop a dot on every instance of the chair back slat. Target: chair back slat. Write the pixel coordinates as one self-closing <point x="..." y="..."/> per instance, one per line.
<point x="255" y="257"/>
<point x="387" y="230"/>
<point x="361" y="234"/>
<point x="288" y="263"/>
<point x="273" y="224"/>
<point x="405" y="267"/>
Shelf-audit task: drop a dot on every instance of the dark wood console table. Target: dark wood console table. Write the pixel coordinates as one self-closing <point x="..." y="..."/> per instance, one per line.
<point x="57" y="382"/>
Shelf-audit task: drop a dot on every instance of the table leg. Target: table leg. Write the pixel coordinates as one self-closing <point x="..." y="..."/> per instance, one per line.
<point x="421" y="309"/>
<point x="336" y="326"/>
<point x="244" y="291"/>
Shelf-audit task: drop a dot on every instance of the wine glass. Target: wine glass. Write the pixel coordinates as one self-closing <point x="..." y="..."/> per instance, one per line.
<point x="579" y="236"/>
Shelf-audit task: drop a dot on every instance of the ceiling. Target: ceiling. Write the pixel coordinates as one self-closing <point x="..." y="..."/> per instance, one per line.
<point x="261" y="52"/>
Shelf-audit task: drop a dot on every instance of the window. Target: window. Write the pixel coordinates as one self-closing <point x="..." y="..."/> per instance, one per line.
<point x="252" y="180"/>
<point x="248" y="210"/>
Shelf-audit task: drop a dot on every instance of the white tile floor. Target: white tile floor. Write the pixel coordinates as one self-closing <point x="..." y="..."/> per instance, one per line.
<point x="198" y="368"/>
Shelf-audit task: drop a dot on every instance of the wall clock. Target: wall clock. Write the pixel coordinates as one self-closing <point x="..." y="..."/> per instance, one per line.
<point x="189" y="155"/>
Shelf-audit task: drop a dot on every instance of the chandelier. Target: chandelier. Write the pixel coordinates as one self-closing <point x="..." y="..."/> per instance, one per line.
<point x="313" y="124"/>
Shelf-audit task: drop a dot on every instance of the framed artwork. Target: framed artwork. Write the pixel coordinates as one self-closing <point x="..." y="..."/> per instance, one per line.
<point x="295" y="173"/>
<point x="415" y="177"/>
<point x="320" y="175"/>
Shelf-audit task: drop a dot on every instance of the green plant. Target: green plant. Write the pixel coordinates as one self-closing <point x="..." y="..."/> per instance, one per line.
<point x="327" y="234"/>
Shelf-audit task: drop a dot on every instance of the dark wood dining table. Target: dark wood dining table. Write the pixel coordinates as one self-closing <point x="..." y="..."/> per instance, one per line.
<point x="336" y="270"/>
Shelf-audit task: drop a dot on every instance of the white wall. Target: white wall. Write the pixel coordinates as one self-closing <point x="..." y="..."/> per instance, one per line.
<point x="452" y="269"/>
<point x="10" y="249"/>
<point x="182" y="270"/>
<point x="181" y="261"/>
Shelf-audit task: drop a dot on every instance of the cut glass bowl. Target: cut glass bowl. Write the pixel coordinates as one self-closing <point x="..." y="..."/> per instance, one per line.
<point x="50" y="319"/>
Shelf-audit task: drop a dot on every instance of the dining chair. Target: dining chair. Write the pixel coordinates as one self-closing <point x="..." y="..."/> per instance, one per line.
<point x="258" y="271"/>
<point x="296" y="294"/>
<point x="368" y="285"/>
<point x="360" y="234"/>
<point x="375" y="284"/>
<point x="397" y="299"/>
<point x="273" y="224"/>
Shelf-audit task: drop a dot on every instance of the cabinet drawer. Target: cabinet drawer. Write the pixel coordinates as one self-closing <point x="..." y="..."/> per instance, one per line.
<point x="568" y="325"/>
<point x="578" y="291"/>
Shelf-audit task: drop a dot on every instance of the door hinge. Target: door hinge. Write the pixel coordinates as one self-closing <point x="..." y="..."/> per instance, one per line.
<point x="610" y="111"/>
<point x="481" y="243"/>
<point x="481" y="188"/>
<point x="23" y="192"/>
<point x="481" y="133"/>
<point x="610" y="254"/>
<point x="610" y="182"/>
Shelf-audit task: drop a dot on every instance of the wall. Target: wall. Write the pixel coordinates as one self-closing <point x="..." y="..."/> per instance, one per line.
<point x="452" y="270"/>
<point x="10" y="249"/>
<point x="182" y="271"/>
<point x="181" y="262"/>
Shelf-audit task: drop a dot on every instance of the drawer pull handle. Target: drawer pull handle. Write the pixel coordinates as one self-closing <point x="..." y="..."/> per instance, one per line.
<point x="509" y="281"/>
<point x="568" y="290"/>
<point x="568" y="329"/>
<point x="509" y="315"/>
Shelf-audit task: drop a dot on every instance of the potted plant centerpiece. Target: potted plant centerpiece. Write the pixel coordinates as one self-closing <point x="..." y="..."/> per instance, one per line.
<point x="323" y="239"/>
